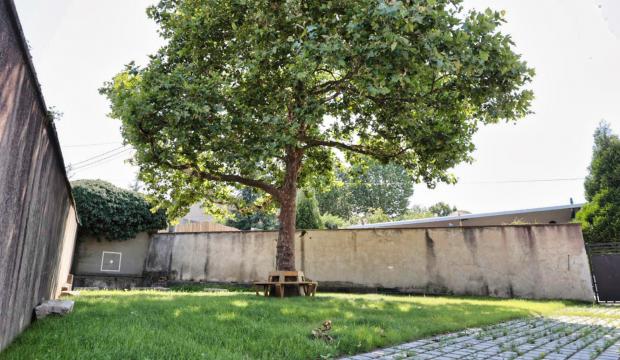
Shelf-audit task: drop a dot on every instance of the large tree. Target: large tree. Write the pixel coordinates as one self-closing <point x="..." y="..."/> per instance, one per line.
<point x="262" y="93"/>
<point x="600" y="217"/>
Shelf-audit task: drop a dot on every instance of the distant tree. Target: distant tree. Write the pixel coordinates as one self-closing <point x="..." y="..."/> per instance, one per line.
<point x="308" y="214"/>
<point x="604" y="169"/>
<point x="415" y="212"/>
<point x="252" y="214"/>
<point x="376" y="186"/>
<point x="367" y="186"/>
<point x="336" y="199"/>
<point x="109" y="212"/>
<point x="262" y="93"/>
<point x="600" y="217"/>
<point x="442" y="209"/>
<point x="374" y="216"/>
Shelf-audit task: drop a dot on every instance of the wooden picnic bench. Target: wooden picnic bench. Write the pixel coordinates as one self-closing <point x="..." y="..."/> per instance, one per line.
<point x="279" y="281"/>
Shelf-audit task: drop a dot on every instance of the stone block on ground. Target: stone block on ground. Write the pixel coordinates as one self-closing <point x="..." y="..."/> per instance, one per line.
<point x="59" y="307"/>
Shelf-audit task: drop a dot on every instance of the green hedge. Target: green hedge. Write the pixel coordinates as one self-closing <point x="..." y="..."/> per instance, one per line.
<point x="112" y="213"/>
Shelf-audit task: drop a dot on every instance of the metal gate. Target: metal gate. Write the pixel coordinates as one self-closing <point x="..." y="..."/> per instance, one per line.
<point x="605" y="266"/>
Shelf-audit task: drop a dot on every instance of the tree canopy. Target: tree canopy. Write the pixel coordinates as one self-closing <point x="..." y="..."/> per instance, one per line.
<point x="600" y="217"/>
<point x="109" y="212"/>
<point x="264" y="93"/>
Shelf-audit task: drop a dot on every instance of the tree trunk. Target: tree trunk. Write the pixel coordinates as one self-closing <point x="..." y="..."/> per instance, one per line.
<point x="285" y="256"/>
<point x="285" y="249"/>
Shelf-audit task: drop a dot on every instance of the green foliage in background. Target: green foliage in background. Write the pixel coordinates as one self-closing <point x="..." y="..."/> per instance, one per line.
<point x="376" y="186"/>
<point x="372" y="192"/>
<point x="333" y="222"/>
<point x="336" y="198"/>
<point x="308" y="214"/>
<point x="251" y="213"/>
<point x="109" y="212"/>
<point x="442" y="209"/>
<point x="600" y="217"/>
<point x="367" y="186"/>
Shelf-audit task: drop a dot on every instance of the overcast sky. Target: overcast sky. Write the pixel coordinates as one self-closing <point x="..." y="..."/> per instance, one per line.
<point x="574" y="45"/>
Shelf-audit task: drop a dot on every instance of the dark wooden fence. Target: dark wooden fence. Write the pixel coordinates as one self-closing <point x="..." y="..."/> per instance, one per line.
<point x="605" y="264"/>
<point x="37" y="216"/>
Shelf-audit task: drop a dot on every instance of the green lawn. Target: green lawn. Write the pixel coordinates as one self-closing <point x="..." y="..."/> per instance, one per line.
<point x="197" y="325"/>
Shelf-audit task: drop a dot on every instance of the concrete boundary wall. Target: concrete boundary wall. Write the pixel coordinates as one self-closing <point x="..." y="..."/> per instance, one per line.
<point x="37" y="215"/>
<point x="527" y="261"/>
<point x="89" y="255"/>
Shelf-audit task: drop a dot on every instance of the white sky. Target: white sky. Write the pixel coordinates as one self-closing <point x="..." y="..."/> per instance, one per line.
<point x="574" y="45"/>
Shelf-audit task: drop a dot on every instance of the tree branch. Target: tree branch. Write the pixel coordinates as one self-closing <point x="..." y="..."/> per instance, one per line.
<point x="268" y="188"/>
<point x="353" y="148"/>
<point x="213" y="176"/>
<point x="335" y="84"/>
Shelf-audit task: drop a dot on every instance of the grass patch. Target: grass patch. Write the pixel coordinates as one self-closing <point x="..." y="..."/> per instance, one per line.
<point x="193" y="287"/>
<point x="196" y="325"/>
<point x="587" y="311"/>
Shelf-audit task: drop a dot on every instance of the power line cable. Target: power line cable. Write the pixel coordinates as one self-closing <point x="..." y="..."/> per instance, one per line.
<point x="92" y="166"/>
<point x="520" y="181"/>
<point x="73" y="172"/>
<point x="97" y="156"/>
<point x="99" y="161"/>
<point x="89" y="145"/>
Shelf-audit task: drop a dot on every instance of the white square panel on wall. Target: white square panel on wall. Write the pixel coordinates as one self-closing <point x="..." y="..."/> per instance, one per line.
<point x="111" y="261"/>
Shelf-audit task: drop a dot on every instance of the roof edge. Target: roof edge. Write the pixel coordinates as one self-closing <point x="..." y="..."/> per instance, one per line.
<point x="465" y="216"/>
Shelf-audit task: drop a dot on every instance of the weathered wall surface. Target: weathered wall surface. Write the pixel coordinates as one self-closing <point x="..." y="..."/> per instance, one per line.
<point x="133" y="252"/>
<point x="533" y="261"/>
<point x="37" y="217"/>
<point x="221" y="257"/>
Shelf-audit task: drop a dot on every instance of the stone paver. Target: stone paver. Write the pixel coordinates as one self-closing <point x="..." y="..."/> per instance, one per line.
<point x="556" y="338"/>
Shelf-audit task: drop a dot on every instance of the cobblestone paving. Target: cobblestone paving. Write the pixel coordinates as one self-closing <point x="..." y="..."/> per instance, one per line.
<point x="556" y="338"/>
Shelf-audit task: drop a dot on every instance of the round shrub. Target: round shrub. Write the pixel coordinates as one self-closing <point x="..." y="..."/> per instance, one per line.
<point x="112" y="213"/>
